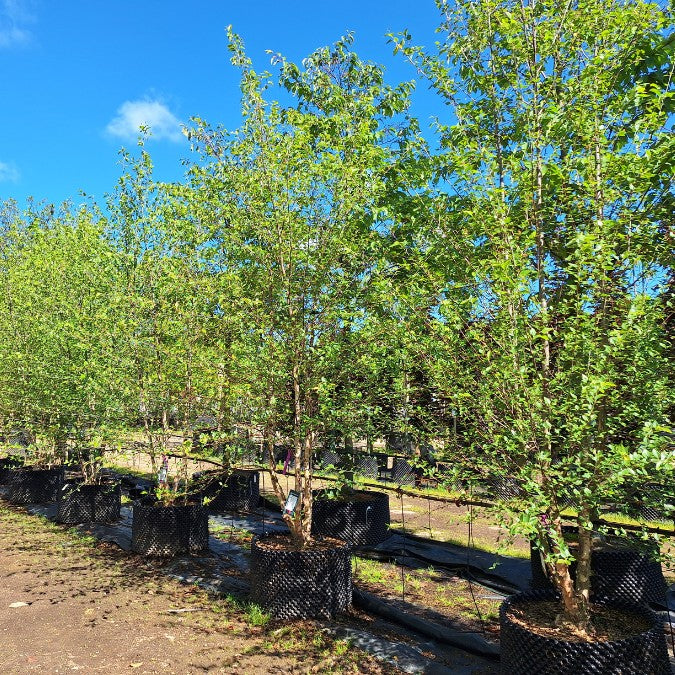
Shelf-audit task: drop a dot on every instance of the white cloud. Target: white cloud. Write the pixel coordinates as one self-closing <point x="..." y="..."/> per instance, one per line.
<point x="132" y="115"/>
<point x="8" y="173"/>
<point x="14" y="15"/>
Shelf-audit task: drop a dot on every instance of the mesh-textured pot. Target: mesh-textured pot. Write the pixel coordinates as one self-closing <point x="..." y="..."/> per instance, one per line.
<point x="617" y="573"/>
<point x="6" y="465"/>
<point x="168" y="530"/>
<point x="503" y="487"/>
<point x="403" y="472"/>
<point x="34" y="486"/>
<point x="650" y="502"/>
<point x="79" y="503"/>
<point x="362" y="520"/>
<point x="239" y="491"/>
<point x="525" y="653"/>
<point x="135" y="487"/>
<point x="330" y="458"/>
<point x="366" y="465"/>
<point x="301" y="584"/>
<point x="625" y="573"/>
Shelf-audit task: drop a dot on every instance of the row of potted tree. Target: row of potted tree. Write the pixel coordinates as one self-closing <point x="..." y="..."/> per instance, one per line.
<point x="322" y="269"/>
<point x="170" y="516"/>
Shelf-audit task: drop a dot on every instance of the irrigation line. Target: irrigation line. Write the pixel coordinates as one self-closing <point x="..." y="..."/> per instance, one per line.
<point x="431" y="534"/>
<point x="402" y="572"/>
<point x="469" y="545"/>
<point x="263" y="503"/>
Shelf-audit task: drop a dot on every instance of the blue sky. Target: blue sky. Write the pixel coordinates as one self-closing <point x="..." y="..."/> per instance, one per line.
<point x="78" y="76"/>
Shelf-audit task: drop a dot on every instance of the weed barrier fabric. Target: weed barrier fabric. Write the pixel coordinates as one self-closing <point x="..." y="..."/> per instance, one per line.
<point x="311" y="583"/>
<point x="524" y="652"/>
<point x="504" y="574"/>
<point x="80" y="503"/>
<point x="467" y="641"/>
<point x="362" y="520"/>
<point x="34" y="486"/>
<point x="159" y="530"/>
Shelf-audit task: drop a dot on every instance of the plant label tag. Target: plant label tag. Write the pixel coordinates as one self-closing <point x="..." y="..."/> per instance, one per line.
<point x="291" y="502"/>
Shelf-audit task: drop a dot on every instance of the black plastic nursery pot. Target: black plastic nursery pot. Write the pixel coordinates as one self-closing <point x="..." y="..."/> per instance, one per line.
<point x="618" y="571"/>
<point x="503" y="487"/>
<point x="361" y="519"/>
<point x="160" y="530"/>
<point x="524" y="652"/>
<point x="330" y="458"/>
<point x="81" y="503"/>
<point x="301" y="584"/>
<point x="6" y="465"/>
<point x="385" y="465"/>
<point x="647" y="502"/>
<point x="366" y="465"/>
<point x="238" y="491"/>
<point x="403" y="472"/>
<point x="27" y="485"/>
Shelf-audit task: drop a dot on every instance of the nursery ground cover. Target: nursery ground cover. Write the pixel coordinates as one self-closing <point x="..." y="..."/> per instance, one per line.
<point x="432" y="595"/>
<point x="91" y="607"/>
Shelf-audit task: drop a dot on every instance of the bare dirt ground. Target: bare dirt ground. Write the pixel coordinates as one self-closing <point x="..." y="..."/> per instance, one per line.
<point x="68" y="603"/>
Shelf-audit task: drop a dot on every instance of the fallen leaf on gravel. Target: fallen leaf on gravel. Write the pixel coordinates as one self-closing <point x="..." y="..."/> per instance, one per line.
<point x="19" y="604"/>
<point x="136" y="665"/>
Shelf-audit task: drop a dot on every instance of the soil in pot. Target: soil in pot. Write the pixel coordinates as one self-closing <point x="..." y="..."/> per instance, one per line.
<point x="238" y="491"/>
<point x="629" y="639"/>
<point x="315" y="581"/>
<point x="135" y="487"/>
<point x="160" y="530"/>
<point x="361" y="518"/>
<point x="28" y="485"/>
<point x="80" y="503"/>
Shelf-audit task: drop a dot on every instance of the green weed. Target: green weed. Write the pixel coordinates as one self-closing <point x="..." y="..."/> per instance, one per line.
<point x="369" y="571"/>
